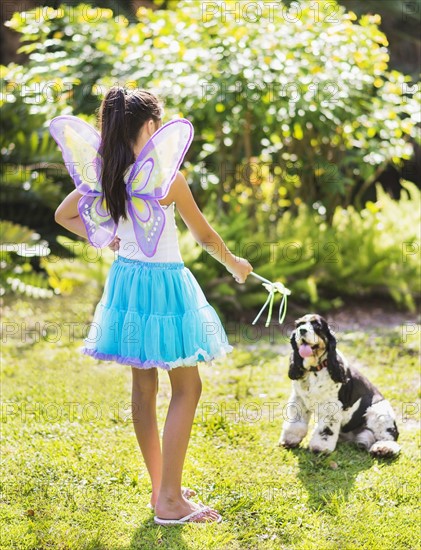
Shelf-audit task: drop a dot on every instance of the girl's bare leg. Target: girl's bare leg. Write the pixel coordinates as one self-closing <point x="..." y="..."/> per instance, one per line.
<point x="144" y="391"/>
<point x="186" y="390"/>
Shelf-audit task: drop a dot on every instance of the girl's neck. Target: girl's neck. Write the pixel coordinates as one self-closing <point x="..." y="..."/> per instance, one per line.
<point x="147" y="131"/>
<point x="139" y="145"/>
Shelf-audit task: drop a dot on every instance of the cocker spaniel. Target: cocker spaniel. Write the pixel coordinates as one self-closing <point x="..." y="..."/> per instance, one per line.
<point x="346" y="405"/>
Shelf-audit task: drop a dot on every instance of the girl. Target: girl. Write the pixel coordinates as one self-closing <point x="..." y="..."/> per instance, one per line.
<point x="153" y="314"/>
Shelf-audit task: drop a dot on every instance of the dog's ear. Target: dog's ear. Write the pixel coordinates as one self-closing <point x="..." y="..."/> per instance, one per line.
<point x="296" y="369"/>
<point x="393" y="431"/>
<point x="334" y="364"/>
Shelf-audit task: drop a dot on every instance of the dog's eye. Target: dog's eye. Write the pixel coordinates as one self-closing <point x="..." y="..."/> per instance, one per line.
<point x="317" y="326"/>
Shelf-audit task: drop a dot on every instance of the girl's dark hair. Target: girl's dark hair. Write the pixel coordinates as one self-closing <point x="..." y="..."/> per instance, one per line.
<point x="121" y="115"/>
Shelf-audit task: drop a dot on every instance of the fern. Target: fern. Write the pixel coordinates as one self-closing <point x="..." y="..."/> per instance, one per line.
<point x="360" y="254"/>
<point x="89" y="266"/>
<point x="17" y="276"/>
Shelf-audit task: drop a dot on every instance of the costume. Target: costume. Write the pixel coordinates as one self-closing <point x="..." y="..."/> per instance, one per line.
<point x="153" y="312"/>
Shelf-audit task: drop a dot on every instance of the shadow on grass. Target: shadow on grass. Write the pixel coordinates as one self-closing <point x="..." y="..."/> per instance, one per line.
<point x="149" y="536"/>
<point x="330" y="479"/>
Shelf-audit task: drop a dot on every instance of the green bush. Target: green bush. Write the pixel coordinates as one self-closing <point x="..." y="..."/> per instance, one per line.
<point x="295" y="117"/>
<point x="18" y="245"/>
<point x="297" y="106"/>
<point x="86" y="266"/>
<point x="359" y="254"/>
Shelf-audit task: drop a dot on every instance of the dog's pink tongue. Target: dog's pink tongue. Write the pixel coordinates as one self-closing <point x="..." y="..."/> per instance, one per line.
<point x="305" y="350"/>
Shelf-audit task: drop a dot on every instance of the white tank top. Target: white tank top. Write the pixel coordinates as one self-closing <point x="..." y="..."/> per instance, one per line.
<point x="167" y="250"/>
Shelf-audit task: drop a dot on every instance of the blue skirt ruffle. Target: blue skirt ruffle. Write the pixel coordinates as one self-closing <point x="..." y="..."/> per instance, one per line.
<point x="154" y="315"/>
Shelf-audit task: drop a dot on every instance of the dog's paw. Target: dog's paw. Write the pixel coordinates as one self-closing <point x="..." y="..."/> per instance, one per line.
<point x="317" y="449"/>
<point x="288" y="443"/>
<point x="385" y="449"/>
<point x="319" y="443"/>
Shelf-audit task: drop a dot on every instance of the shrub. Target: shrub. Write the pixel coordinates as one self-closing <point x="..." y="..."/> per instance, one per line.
<point x="296" y="115"/>
<point x="18" y="245"/>
<point x="312" y="121"/>
<point x="360" y="254"/>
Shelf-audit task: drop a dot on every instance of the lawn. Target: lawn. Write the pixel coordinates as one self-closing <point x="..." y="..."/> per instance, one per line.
<point x="73" y="477"/>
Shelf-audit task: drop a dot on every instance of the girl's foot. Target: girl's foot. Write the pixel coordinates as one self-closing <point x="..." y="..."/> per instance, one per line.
<point x="167" y="508"/>
<point x="185" y="491"/>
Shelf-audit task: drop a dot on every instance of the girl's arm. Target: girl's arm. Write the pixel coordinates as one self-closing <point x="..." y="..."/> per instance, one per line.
<point x="202" y="231"/>
<point x="67" y="215"/>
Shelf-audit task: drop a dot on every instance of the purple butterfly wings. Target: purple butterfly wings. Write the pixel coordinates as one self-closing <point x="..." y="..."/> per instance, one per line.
<point x="149" y="180"/>
<point x="79" y="143"/>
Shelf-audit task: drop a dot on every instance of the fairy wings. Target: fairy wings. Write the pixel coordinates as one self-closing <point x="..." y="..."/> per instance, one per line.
<point x="149" y="179"/>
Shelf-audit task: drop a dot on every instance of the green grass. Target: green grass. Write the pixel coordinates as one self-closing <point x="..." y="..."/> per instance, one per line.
<point x="73" y="477"/>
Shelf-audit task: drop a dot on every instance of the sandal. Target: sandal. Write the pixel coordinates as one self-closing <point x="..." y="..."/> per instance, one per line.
<point x="194" y="517"/>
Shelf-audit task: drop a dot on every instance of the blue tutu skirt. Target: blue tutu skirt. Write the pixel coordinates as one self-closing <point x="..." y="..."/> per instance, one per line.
<point x="154" y="315"/>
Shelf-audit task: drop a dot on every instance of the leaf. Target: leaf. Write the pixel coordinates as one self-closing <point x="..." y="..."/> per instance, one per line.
<point x="298" y="131"/>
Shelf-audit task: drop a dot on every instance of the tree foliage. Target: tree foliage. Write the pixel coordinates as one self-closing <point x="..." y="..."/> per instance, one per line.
<point x="291" y="107"/>
<point x="296" y="106"/>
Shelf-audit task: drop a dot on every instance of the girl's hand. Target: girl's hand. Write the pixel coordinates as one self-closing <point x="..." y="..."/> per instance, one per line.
<point x="240" y="268"/>
<point x="115" y="243"/>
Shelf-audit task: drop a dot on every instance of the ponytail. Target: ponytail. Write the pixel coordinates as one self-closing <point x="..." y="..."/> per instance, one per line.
<point x="121" y="117"/>
<point x="116" y="152"/>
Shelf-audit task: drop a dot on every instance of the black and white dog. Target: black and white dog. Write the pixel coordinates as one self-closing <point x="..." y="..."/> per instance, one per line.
<point x="346" y="405"/>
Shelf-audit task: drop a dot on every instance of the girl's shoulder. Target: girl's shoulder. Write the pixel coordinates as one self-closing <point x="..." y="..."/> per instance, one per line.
<point x="174" y="195"/>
